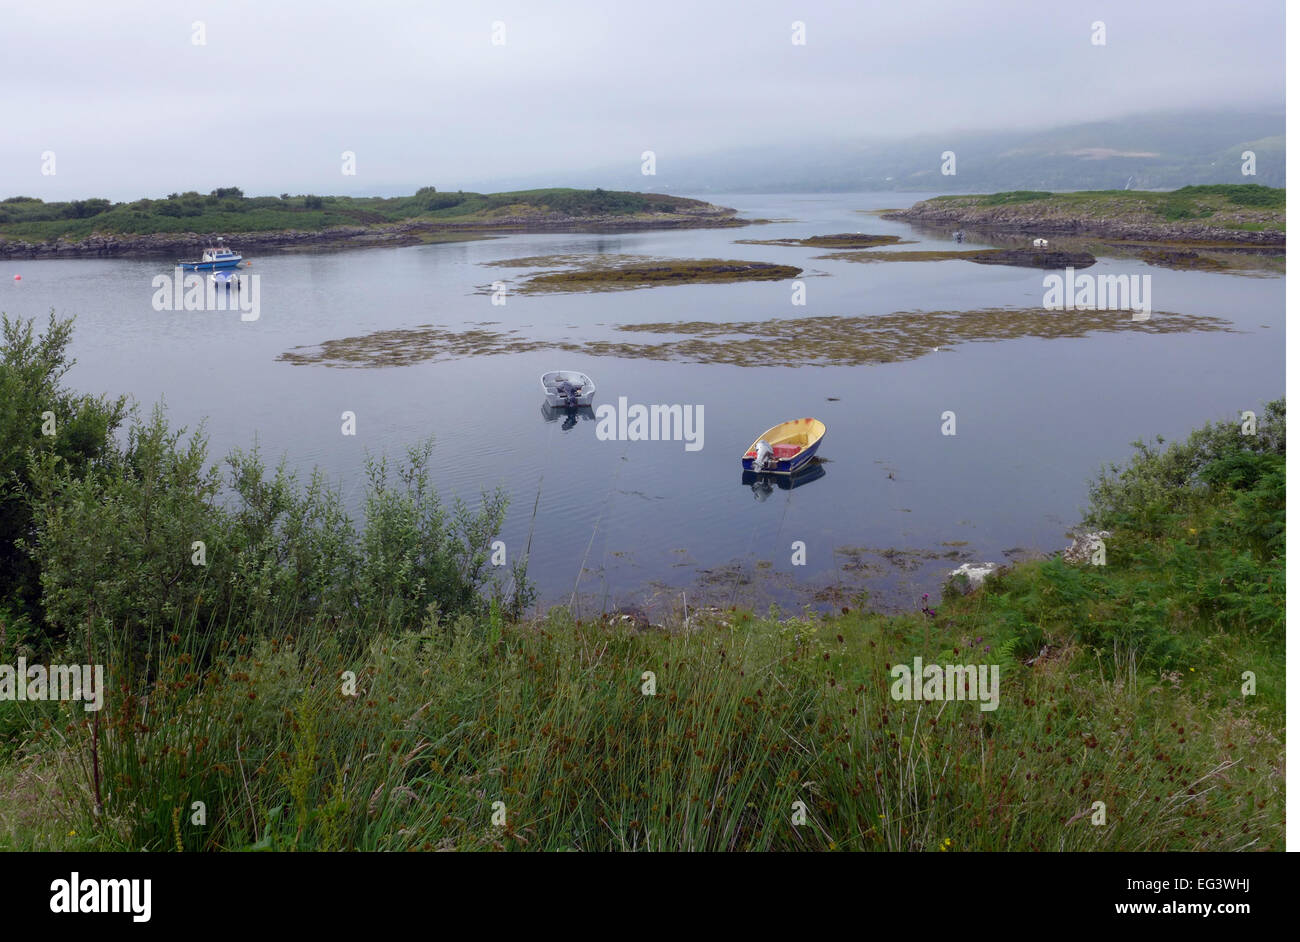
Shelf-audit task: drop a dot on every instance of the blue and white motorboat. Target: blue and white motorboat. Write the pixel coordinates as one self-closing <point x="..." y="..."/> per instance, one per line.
<point x="215" y="257"/>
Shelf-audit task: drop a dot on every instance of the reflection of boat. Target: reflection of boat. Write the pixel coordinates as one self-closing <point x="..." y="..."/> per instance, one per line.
<point x="224" y="279"/>
<point x="762" y="484"/>
<point x="784" y="448"/>
<point x="571" y="416"/>
<point x="813" y="471"/>
<point x="568" y="388"/>
<point x="214" y="257"/>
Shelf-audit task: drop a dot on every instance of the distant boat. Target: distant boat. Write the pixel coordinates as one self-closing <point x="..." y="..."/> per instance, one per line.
<point x="784" y="448"/>
<point x="215" y="257"/>
<point x="568" y="388"/>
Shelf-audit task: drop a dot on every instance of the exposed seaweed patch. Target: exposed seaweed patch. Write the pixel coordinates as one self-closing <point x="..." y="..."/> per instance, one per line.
<point x="626" y="272"/>
<point x="676" y="272"/>
<point x="1021" y="258"/>
<point x="404" y="346"/>
<point x="930" y="255"/>
<point x="808" y="341"/>
<point x="575" y="260"/>
<point x="1183" y="260"/>
<point x="884" y="338"/>
<point x="844" y="240"/>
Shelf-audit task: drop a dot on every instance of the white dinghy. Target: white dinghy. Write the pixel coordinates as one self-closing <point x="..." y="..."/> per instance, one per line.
<point x="568" y="388"/>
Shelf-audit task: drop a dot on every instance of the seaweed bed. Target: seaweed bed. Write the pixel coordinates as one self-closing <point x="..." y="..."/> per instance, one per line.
<point x="1183" y="260"/>
<point x="624" y="272"/>
<point x="807" y="341"/>
<point x="844" y="240"/>
<point x="1023" y="258"/>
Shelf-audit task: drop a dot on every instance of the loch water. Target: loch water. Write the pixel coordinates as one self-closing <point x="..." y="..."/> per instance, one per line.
<point x="649" y="524"/>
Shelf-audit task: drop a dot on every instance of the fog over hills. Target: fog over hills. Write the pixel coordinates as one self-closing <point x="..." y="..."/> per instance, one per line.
<point x="1151" y="151"/>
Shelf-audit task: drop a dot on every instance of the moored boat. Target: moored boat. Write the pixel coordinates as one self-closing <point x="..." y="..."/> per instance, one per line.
<point x="784" y="448"/>
<point x="214" y="257"/>
<point x="568" y="388"/>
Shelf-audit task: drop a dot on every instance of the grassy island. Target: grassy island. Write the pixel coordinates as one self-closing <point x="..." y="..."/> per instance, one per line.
<point x="33" y="228"/>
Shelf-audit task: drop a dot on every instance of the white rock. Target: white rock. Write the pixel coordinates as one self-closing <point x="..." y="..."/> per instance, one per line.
<point x="1084" y="545"/>
<point x="975" y="574"/>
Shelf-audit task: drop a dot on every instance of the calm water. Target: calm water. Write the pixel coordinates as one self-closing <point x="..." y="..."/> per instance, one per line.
<point x="1036" y="418"/>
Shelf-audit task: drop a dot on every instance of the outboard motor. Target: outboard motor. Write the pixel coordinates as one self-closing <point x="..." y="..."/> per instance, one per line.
<point x="568" y="393"/>
<point x="762" y="455"/>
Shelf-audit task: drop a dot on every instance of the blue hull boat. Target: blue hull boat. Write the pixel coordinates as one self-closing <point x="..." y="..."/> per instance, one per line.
<point x="784" y="448"/>
<point x="212" y="266"/>
<point x="214" y="258"/>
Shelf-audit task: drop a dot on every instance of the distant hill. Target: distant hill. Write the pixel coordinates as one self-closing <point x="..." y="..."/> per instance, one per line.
<point x="1150" y="152"/>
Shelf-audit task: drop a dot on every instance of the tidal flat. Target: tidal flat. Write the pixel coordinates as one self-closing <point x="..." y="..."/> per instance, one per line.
<point x="828" y="340"/>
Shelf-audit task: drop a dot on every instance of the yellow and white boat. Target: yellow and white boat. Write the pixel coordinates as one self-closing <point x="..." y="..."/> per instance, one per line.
<point x="784" y="448"/>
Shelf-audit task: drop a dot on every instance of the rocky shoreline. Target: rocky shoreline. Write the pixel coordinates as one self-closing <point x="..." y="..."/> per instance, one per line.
<point x="173" y="245"/>
<point x="1020" y="219"/>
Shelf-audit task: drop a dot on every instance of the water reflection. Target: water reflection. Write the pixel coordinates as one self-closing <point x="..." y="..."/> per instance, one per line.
<point x="571" y="415"/>
<point x="763" y="483"/>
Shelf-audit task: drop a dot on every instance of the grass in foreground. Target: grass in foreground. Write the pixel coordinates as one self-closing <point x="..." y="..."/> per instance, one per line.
<point x="1120" y="684"/>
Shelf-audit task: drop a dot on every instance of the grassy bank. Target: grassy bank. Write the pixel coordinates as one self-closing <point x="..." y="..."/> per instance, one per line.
<point x="331" y="699"/>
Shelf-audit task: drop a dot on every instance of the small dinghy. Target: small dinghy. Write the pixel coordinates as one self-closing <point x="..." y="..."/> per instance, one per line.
<point x="568" y="388"/>
<point x="784" y="448"/>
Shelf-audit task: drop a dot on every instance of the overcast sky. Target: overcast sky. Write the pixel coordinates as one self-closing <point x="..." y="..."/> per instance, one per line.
<point x="131" y="106"/>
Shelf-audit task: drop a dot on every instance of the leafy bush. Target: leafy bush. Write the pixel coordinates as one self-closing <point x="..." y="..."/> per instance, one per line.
<point x="32" y="402"/>
<point x="98" y="530"/>
<point x="1155" y="480"/>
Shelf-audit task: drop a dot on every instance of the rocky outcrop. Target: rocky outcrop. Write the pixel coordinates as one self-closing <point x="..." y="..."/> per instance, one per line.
<point x="1085" y="545"/>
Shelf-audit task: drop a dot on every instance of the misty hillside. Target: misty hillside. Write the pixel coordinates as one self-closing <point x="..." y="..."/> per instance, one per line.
<point x="1163" y="151"/>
